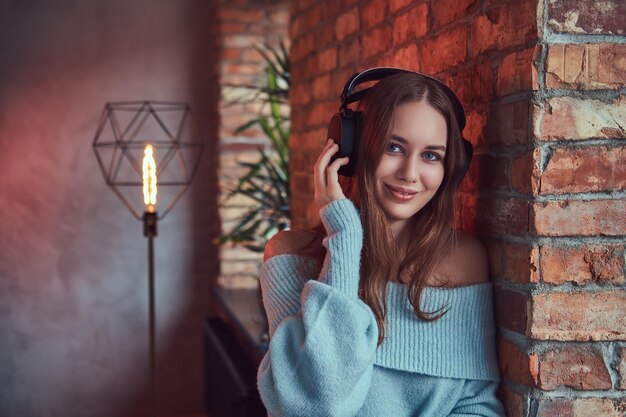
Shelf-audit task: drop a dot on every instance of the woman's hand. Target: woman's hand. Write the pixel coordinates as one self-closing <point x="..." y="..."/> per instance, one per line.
<point x="325" y="177"/>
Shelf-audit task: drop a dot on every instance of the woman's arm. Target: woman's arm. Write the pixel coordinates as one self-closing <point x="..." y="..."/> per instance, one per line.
<point x="320" y="360"/>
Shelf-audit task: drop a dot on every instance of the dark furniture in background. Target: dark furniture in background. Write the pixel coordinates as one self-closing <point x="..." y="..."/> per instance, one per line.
<point x="235" y="342"/>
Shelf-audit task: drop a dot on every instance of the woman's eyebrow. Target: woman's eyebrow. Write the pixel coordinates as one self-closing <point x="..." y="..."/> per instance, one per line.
<point x="399" y="138"/>
<point x="437" y="148"/>
<point x="404" y="141"/>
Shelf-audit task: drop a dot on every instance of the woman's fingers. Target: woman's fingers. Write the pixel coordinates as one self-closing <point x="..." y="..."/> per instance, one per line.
<point x="330" y="149"/>
<point x="333" y="188"/>
<point x="319" y="177"/>
<point x="319" y="170"/>
<point x="325" y="175"/>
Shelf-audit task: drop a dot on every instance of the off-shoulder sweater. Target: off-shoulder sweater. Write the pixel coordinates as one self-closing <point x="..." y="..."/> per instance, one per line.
<point x="323" y="358"/>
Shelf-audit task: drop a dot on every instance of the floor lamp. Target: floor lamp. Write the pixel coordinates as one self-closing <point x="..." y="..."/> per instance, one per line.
<point x="143" y="147"/>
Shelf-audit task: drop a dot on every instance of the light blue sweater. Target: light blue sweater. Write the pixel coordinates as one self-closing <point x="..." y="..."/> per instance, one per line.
<point x="323" y="359"/>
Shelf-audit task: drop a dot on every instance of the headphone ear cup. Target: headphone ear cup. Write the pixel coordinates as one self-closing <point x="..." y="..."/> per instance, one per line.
<point x="342" y="129"/>
<point x="335" y="129"/>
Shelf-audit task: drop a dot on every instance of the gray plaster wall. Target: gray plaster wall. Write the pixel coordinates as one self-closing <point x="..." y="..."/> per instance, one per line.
<point x="73" y="261"/>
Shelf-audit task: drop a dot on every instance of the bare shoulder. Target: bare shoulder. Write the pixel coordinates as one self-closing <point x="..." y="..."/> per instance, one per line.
<point x="471" y="256"/>
<point x="289" y="242"/>
<point x="467" y="263"/>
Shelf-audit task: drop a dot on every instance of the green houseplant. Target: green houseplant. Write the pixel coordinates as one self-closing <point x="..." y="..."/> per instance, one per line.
<point x="265" y="183"/>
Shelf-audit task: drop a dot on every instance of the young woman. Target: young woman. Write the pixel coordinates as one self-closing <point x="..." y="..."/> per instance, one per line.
<point x="385" y="309"/>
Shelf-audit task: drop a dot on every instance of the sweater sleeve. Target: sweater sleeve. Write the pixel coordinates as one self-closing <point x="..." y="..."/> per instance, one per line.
<point x="479" y="399"/>
<point x="320" y="359"/>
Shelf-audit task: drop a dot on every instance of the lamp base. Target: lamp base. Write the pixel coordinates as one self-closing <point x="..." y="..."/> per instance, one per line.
<point x="150" y="224"/>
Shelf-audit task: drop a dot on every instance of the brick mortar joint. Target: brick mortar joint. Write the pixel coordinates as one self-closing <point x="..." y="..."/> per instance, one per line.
<point x="579" y="143"/>
<point x="607" y="95"/>
<point x="554" y="38"/>
<point x="539" y="97"/>
<point x="487" y="194"/>
<point x="611" y="357"/>
<point x="532" y="289"/>
<point x="558" y="241"/>
<point x="530" y="346"/>
<point x="540" y="66"/>
<point x="585" y="196"/>
<point x="545" y="156"/>
<point x="541" y="288"/>
<point x="567" y="393"/>
<point x="532" y="394"/>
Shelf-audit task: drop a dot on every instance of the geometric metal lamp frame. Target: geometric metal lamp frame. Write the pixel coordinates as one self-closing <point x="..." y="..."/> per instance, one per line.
<point x="125" y="128"/>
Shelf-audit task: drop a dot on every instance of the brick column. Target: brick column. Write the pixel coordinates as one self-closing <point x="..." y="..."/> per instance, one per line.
<point x="543" y="86"/>
<point x="564" y="318"/>
<point x="242" y="25"/>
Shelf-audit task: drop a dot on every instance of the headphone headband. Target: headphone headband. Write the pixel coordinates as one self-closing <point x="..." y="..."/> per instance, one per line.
<point x="378" y="73"/>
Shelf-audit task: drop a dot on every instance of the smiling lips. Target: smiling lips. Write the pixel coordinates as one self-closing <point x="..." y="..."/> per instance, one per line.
<point x="402" y="194"/>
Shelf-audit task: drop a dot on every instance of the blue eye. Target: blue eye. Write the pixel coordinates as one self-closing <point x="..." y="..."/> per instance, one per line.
<point x="394" y="148"/>
<point x="431" y="156"/>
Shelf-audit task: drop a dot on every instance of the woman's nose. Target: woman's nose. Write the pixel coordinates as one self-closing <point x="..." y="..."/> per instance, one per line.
<point x="409" y="171"/>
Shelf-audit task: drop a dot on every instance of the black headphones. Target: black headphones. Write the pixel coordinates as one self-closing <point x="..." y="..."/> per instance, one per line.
<point x="344" y="125"/>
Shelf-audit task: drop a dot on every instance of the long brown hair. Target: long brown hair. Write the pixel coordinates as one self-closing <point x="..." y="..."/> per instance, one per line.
<point x="433" y="224"/>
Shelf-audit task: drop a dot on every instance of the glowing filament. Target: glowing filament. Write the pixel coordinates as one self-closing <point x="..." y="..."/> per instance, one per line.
<point x="149" y="179"/>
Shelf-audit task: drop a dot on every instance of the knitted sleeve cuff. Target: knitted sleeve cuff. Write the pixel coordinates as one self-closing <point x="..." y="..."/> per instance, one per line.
<point x="344" y="242"/>
<point x="341" y="216"/>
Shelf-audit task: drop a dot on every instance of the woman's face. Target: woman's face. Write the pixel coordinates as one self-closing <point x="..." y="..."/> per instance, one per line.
<point x="412" y="166"/>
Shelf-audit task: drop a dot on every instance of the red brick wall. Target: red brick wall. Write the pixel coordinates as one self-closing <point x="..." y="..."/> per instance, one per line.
<point x="574" y="177"/>
<point x="482" y="49"/>
<point x="543" y="84"/>
<point x="242" y="25"/>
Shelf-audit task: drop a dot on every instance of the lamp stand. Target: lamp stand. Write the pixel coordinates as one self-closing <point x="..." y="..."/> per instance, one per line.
<point x="150" y="231"/>
<point x="168" y="135"/>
